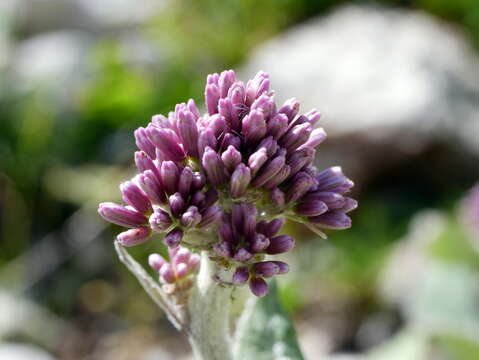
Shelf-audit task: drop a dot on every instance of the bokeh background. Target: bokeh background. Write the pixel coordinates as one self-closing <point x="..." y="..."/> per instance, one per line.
<point x="398" y="84"/>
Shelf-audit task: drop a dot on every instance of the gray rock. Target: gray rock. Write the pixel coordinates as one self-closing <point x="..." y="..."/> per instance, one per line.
<point x="392" y="78"/>
<point x="23" y="352"/>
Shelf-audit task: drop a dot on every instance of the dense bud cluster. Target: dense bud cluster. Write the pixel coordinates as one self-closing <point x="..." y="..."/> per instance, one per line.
<point x="175" y="275"/>
<point x="222" y="181"/>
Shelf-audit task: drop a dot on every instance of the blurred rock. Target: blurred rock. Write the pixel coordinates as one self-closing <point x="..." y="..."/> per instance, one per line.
<point x="55" y="60"/>
<point x="23" y="352"/>
<point x="388" y="81"/>
<point x="435" y="296"/>
<point x="21" y="317"/>
<point x="90" y="15"/>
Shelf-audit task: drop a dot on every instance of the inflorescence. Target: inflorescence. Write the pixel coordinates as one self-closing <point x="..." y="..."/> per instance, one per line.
<point x="224" y="181"/>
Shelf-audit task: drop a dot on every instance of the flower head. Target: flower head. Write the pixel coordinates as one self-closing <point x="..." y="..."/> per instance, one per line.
<point x="231" y="174"/>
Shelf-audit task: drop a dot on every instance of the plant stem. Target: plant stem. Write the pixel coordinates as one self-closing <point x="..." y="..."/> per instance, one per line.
<point x="209" y="309"/>
<point x="175" y="314"/>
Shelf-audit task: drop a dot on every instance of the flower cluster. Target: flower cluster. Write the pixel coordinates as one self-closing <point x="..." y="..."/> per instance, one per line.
<point x="237" y="169"/>
<point x="175" y="275"/>
<point x="244" y="242"/>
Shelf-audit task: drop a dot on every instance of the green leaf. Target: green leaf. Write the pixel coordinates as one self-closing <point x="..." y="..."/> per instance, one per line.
<point x="266" y="332"/>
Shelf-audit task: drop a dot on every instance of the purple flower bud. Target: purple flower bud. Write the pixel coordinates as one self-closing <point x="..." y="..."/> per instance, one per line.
<point x="231" y="157"/>
<point x="237" y="217"/>
<point x="227" y="78"/>
<point x="214" y="167"/>
<point x="144" y="143"/>
<point x="280" y="244"/>
<point x="299" y="159"/>
<point x="170" y="176"/>
<point x="300" y="185"/>
<point x="194" y="262"/>
<point x="295" y="137"/>
<point x="313" y="116"/>
<point x="329" y="174"/>
<point x="231" y="140"/>
<point x="276" y="180"/>
<point x="191" y="217"/>
<point x="290" y="108"/>
<point x="311" y="207"/>
<point x="277" y="198"/>
<point x="256" y="86"/>
<point x="258" y="287"/>
<point x="349" y="205"/>
<point x="266" y="268"/>
<point x="188" y="132"/>
<point x="268" y="171"/>
<point x="161" y="121"/>
<point x="173" y="238"/>
<point x="283" y="267"/>
<point x="241" y="276"/>
<point x="134" y="197"/>
<point x="265" y="104"/>
<point x="206" y="139"/>
<point x="212" y="96"/>
<point x="167" y="274"/>
<point x="269" y="144"/>
<point x="143" y="163"/>
<point x="182" y="270"/>
<point x="331" y="199"/>
<point x="299" y="120"/>
<point x="250" y="212"/>
<point x="160" y="220"/>
<point x="332" y="220"/>
<point x="254" y="127"/>
<point x="258" y="243"/>
<point x="210" y="216"/>
<point x="317" y="137"/>
<point x="240" y="180"/>
<point x="242" y="255"/>
<point x="342" y="186"/>
<point x="156" y="261"/>
<point x="212" y="79"/>
<point x="120" y="215"/>
<point x="270" y="228"/>
<point x="150" y="184"/>
<point x="198" y="199"/>
<point x="133" y="237"/>
<point x="198" y="181"/>
<point x="191" y="106"/>
<point x="186" y="179"/>
<point x="257" y="160"/>
<point x="223" y="249"/>
<point x="277" y="126"/>
<point x="217" y="124"/>
<point x="177" y="204"/>
<point x="181" y="256"/>
<point x="167" y="142"/>
<point x="225" y="232"/>
<point x="237" y="93"/>
<point x="229" y="112"/>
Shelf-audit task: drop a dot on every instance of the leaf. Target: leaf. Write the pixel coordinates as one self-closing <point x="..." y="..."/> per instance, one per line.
<point x="265" y="331"/>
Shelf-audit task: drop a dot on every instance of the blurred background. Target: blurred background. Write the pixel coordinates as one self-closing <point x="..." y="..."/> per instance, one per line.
<point x="398" y="84"/>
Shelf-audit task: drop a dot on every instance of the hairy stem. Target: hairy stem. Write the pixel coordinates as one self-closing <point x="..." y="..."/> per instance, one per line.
<point x="175" y="314"/>
<point x="209" y="309"/>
